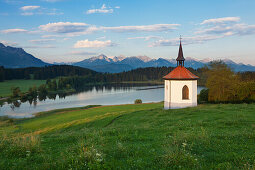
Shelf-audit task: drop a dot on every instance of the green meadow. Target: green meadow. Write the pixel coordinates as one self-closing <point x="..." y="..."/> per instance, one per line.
<point x="5" y="87"/>
<point x="142" y="136"/>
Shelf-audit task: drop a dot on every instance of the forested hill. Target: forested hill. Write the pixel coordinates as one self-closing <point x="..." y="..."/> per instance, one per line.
<point x="12" y="57"/>
<point x="83" y="75"/>
<point x="43" y="73"/>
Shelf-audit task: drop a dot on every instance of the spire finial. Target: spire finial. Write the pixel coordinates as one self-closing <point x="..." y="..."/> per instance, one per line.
<point x="180" y="38"/>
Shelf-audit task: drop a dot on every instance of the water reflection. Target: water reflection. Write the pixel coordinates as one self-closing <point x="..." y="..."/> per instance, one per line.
<point x="89" y="95"/>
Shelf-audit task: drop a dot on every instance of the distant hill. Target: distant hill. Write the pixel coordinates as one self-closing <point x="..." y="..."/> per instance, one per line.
<point x="12" y="57"/>
<point x="117" y="64"/>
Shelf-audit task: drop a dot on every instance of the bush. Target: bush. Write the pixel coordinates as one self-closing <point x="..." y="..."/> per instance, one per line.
<point x="203" y="96"/>
<point x="138" y="101"/>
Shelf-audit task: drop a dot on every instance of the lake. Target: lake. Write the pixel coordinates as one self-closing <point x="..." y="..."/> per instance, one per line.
<point x="93" y="95"/>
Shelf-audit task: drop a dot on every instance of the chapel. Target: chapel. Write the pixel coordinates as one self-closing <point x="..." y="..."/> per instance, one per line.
<point x="180" y="86"/>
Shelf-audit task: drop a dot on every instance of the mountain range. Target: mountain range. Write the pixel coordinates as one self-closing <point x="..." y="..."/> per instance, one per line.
<point x="12" y="57"/>
<point x="115" y="64"/>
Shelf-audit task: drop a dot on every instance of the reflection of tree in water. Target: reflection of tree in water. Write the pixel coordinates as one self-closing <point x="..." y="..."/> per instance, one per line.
<point x="113" y="87"/>
<point x="15" y="104"/>
<point x="42" y="97"/>
<point x="98" y="88"/>
<point x="62" y="95"/>
<point x="52" y="96"/>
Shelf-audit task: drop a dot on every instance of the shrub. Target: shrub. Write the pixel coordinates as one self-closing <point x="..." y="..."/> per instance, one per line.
<point x="138" y="101"/>
<point x="203" y="96"/>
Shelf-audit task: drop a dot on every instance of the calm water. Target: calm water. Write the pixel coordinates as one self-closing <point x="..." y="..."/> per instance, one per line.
<point x="103" y="95"/>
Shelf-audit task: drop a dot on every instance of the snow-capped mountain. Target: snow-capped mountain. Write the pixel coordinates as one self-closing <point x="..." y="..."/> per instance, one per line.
<point x="121" y="63"/>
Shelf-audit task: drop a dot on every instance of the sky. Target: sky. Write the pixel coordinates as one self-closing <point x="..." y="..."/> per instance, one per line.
<point x="74" y="30"/>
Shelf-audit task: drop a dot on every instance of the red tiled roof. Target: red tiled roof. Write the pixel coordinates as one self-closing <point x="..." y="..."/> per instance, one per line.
<point x="180" y="73"/>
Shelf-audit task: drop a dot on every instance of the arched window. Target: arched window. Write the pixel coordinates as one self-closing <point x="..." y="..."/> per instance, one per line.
<point x="185" y="92"/>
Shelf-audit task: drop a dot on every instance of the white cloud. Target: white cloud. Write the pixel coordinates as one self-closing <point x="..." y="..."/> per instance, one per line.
<point x="185" y="40"/>
<point x="42" y="41"/>
<point x="145" y="28"/>
<point x="93" y="44"/>
<point x="37" y="10"/>
<point x="147" y="38"/>
<point x="226" y="26"/>
<point x="29" y="8"/>
<point x="64" y="27"/>
<point x="103" y="9"/>
<point x="221" y="20"/>
<point x="17" y="30"/>
<point x="117" y="7"/>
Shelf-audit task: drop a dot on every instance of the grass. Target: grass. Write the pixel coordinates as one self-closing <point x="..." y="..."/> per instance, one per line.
<point x="5" y="87"/>
<point x="143" y="136"/>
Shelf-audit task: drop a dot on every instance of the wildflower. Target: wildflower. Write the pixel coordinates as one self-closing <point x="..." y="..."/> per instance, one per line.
<point x="184" y="144"/>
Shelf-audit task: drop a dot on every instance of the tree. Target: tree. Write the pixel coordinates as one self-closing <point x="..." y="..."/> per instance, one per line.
<point x="222" y="83"/>
<point x="32" y="92"/>
<point x="1" y="73"/>
<point x="15" y="92"/>
<point x="203" y="96"/>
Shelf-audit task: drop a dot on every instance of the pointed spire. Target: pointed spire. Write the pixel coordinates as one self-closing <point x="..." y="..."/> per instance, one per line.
<point x="180" y="59"/>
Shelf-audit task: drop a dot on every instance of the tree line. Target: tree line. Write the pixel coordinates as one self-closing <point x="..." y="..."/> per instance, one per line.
<point x="43" y="73"/>
<point x="224" y="85"/>
<point x="87" y="75"/>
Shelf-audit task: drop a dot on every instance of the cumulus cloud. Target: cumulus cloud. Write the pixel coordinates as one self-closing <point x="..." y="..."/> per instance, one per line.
<point x="64" y="27"/>
<point x="76" y="29"/>
<point x="185" y="40"/>
<point x="221" y="20"/>
<point x="29" y="8"/>
<point x="17" y="30"/>
<point x="37" y="10"/>
<point x="145" y="28"/>
<point x="93" y="44"/>
<point x="226" y="26"/>
<point x="103" y="9"/>
<point x="42" y="41"/>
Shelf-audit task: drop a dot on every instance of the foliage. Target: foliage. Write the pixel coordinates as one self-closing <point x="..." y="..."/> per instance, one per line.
<point x="226" y="86"/>
<point x="144" y="136"/>
<point x="203" y="96"/>
<point x="138" y="101"/>
<point x="42" y="90"/>
<point x="32" y="92"/>
<point x="222" y="83"/>
<point x="15" y="92"/>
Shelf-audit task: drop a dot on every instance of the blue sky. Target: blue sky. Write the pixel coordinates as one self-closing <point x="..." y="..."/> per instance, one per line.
<point x="72" y="30"/>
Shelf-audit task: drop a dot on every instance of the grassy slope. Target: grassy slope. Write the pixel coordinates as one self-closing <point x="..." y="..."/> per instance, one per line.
<point x="131" y="137"/>
<point x="5" y="87"/>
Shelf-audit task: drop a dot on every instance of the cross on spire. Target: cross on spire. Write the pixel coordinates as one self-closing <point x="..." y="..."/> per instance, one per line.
<point x="180" y="59"/>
